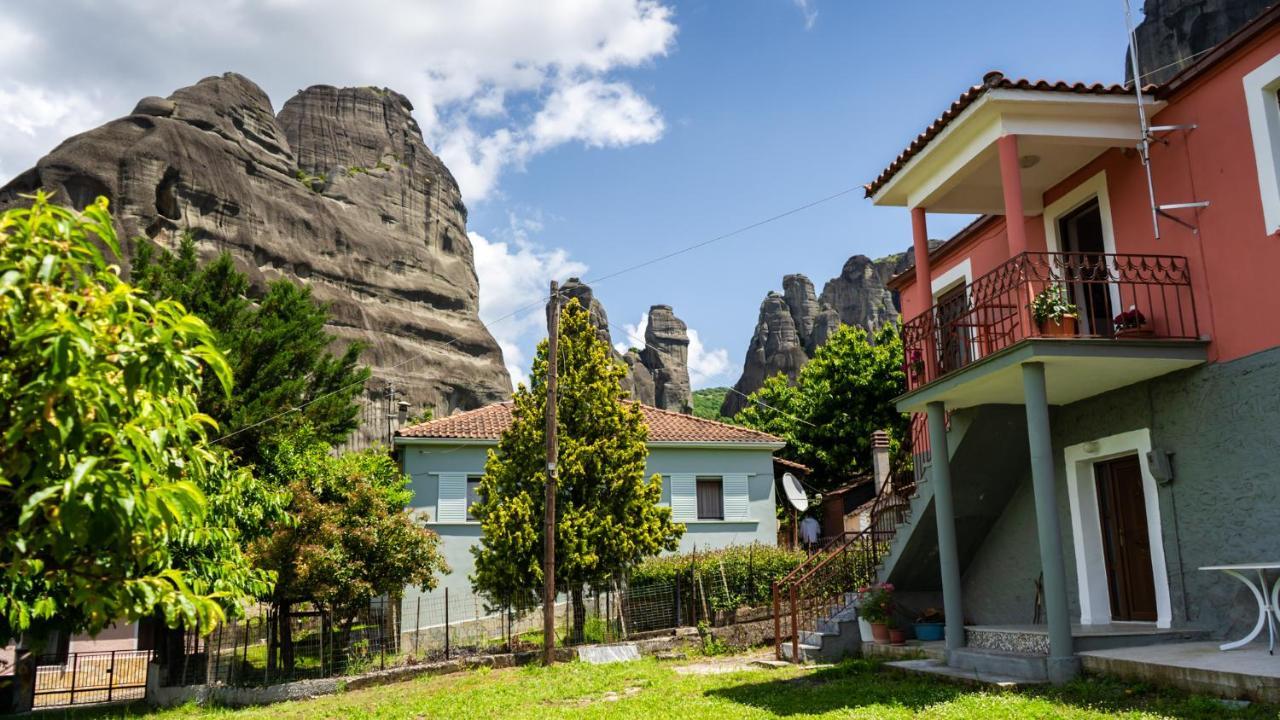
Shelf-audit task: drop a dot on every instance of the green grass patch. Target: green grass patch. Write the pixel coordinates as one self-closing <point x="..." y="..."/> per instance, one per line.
<point x="649" y="689"/>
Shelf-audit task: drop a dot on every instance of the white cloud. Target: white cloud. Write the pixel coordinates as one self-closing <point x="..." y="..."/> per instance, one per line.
<point x="494" y="82"/>
<point x="809" y="12"/>
<point x="514" y="278"/>
<point x="705" y="366"/>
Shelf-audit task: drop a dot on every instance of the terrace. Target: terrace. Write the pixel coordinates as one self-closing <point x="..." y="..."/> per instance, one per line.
<point x="1136" y="319"/>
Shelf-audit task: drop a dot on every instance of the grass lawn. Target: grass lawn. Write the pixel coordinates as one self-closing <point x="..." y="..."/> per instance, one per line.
<point x="652" y="689"/>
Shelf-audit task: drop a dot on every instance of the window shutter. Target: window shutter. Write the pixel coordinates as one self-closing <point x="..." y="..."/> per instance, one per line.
<point x="736" y="500"/>
<point x="684" y="498"/>
<point x="452" y="505"/>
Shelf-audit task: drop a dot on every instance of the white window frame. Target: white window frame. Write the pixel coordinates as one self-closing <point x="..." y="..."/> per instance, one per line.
<point x="1086" y="524"/>
<point x="1260" y="88"/>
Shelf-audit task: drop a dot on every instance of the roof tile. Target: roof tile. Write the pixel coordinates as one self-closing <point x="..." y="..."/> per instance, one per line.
<point x="489" y="422"/>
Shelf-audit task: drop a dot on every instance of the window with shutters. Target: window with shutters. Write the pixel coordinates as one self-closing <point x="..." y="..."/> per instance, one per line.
<point x="473" y="495"/>
<point x="710" y="498"/>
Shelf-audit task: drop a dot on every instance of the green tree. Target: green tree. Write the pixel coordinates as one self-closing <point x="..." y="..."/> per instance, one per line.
<point x="350" y="539"/>
<point x="607" y="514"/>
<point x="841" y="396"/>
<point x="277" y="348"/>
<point x="103" y="450"/>
<point x="707" y="402"/>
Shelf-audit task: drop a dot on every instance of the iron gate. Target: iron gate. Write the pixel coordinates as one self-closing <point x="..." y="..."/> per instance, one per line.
<point x="91" y="678"/>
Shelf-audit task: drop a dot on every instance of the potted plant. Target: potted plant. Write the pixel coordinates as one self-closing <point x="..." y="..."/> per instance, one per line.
<point x="897" y="635"/>
<point x="875" y="605"/>
<point x="1054" y="312"/>
<point x="914" y="367"/>
<point x="1131" y="323"/>
<point x="930" y="625"/>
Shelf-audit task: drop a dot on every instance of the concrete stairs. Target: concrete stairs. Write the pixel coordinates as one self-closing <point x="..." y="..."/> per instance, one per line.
<point x="835" y="637"/>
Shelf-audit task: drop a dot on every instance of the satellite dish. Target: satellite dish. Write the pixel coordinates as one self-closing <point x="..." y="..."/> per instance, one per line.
<point x="795" y="494"/>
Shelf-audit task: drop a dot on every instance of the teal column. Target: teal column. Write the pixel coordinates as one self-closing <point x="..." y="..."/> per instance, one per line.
<point x="1063" y="665"/>
<point x="945" y="510"/>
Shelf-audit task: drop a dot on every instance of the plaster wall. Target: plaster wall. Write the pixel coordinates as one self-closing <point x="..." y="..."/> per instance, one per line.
<point x="457" y="539"/>
<point x="1220" y="422"/>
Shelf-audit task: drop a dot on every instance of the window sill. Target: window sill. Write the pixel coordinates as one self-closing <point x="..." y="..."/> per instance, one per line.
<point x="743" y="521"/>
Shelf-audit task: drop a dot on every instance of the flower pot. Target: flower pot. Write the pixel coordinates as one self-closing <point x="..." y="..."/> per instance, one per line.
<point x="1141" y="331"/>
<point x="1065" y="327"/>
<point x="880" y="633"/>
<point x="929" y="632"/>
<point x="897" y="636"/>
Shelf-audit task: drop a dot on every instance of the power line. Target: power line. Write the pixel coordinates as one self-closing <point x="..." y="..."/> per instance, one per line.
<point x="725" y="236"/>
<point x="542" y="301"/>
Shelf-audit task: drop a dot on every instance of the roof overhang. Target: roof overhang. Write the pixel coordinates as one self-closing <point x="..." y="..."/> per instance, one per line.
<point x="680" y="444"/>
<point x="401" y="440"/>
<point x="958" y="170"/>
<point x="1075" y="369"/>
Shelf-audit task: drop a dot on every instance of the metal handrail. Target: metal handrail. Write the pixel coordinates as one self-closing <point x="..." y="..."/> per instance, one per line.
<point x="888" y="505"/>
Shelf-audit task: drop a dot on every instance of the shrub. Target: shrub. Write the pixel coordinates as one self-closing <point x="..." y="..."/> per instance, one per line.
<point x="737" y="576"/>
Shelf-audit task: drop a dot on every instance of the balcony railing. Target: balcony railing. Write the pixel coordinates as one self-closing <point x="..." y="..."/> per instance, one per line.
<point x="1120" y="297"/>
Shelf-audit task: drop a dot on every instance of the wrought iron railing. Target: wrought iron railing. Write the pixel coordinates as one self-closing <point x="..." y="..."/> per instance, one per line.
<point x="826" y="583"/>
<point x="1119" y="297"/>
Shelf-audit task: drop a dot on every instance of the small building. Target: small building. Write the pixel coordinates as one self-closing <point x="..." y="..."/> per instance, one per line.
<point x="717" y="478"/>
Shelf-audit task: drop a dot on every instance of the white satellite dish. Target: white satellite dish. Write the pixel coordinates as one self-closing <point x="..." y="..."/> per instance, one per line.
<point x="795" y="494"/>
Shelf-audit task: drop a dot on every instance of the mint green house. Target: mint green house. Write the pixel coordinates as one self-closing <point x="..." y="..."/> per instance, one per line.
<point x="718" y="480"/>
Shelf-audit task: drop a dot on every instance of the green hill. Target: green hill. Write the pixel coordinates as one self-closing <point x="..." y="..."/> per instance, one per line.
<point x="707" y="402"/>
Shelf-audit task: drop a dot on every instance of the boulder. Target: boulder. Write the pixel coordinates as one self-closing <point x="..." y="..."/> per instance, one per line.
<point x="338" y="192"/>
<point x="1175" y="33"/>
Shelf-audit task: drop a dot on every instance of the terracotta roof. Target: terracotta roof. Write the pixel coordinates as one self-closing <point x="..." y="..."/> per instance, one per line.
<point x="489" y="422"/>
<point x="793" y="465"/>
<point x="994" y="80"/>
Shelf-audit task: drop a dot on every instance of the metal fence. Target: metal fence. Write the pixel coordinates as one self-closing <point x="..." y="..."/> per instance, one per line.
<point x="91" y="678"/>
<point x="271" y="645"/>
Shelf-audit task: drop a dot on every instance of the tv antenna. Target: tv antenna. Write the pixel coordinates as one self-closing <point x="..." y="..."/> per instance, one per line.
<point x="1149" y="134"/>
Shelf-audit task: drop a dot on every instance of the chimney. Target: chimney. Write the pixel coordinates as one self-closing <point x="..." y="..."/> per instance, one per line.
<point x="880" y="458"/>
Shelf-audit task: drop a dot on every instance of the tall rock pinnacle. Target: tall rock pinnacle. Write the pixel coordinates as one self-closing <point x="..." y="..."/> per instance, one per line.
<point x="338" y="192"/>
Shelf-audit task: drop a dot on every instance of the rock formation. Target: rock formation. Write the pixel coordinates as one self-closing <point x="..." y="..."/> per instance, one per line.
<point x="658" y="373"/>
<point x="793" y="325"/>
<point x="1174" y="33"/>
<point x="338" y="191"/>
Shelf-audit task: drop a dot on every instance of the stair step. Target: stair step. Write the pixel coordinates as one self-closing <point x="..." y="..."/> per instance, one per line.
<point x="1022" y="666"/>
<point x="940" y="669"/>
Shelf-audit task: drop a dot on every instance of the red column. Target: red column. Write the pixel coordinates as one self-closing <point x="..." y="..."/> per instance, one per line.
<point x="924" y="275"/>
<point x="1011" y="182"/>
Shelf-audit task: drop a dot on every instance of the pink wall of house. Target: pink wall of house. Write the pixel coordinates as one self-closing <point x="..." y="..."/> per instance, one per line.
<point x="1234" y="263"/>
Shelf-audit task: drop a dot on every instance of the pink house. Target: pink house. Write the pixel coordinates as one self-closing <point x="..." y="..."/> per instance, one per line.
<point x="1083" y="468"/>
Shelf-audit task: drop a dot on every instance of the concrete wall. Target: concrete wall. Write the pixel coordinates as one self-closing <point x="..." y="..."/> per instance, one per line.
<point x="421" y="461"/>
<point x="1221" y="422"/>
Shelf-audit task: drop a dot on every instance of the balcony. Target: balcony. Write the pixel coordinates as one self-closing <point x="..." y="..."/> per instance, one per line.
<point x="1136" y="319"/>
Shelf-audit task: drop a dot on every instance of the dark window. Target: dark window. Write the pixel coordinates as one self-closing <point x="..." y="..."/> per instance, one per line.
<point x="710" y="498"/>
<point x="473" y="494"/>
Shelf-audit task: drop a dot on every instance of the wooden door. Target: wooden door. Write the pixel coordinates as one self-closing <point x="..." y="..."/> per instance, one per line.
<point x="953" y="328"/>
<point x="1126" y="546"/>
<point x="1085" y="268"/>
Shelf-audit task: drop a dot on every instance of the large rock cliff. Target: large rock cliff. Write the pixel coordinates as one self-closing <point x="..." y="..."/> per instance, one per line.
<point x="338" y="191"/>
<point x="658" y="373"/>
<point x="795" y="323"/>
<point x="1174" y="33"/>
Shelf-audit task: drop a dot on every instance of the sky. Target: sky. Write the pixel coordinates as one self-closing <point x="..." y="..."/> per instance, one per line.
<point x="589" y="136"/>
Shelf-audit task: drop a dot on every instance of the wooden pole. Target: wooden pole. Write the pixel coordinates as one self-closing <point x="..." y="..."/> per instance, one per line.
<point x="549" y="510"/>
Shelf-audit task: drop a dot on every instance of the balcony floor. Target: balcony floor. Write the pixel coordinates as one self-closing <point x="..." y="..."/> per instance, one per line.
<point x="1075" y="369"/>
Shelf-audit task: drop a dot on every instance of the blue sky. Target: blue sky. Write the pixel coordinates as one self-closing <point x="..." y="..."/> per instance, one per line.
<point x="588" y="135"/>
<point x="763" y="114"/>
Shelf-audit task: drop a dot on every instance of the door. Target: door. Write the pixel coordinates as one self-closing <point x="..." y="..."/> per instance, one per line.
<point x="1085" y="268"/>
<point x="953" y="328"/>
<point x="1126" y="546"/>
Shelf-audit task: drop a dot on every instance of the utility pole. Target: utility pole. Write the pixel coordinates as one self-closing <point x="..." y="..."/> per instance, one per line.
<point x="549" y="510"/>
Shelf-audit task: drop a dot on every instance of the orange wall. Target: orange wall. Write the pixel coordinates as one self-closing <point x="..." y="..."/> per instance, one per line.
<point x="1235" y="266"/>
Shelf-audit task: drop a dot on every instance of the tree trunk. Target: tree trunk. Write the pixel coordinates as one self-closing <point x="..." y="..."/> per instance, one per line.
<point x="286" y="639"/>
<point x="273" y="639"/>
<point x="579" y="614"/>
<point x="24" y="680"/>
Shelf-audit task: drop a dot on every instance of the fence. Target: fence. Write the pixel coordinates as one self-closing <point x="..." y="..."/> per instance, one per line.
<point x="271" y="646"/>
<point x="90" y="678"/>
